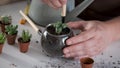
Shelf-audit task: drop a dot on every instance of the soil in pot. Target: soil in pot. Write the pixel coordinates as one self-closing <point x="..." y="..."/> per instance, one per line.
<point x="24" y="46"/>
<point x="51" y="30"/>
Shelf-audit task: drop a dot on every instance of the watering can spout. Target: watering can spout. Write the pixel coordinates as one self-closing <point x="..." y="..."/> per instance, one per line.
<point x="76" y="11"/>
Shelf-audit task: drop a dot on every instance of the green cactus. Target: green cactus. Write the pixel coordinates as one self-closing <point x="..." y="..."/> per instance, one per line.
<point x="2" y="38"/>
<point x="26" y="36"/>
<point x="6" y="19"/>
<point x="11" y="29"/>
<point x="59" y="26"/>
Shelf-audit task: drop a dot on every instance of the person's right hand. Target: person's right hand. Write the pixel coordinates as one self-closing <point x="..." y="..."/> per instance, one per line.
<point x="55" y="3"/>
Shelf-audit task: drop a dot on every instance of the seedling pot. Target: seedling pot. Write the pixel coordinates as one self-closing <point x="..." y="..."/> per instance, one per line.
<point x="86" y="62"/>
<point x="1" y="48"/>
<point x="11" y="39"/>
<point x="3" y="26"/>
<point x="23" y="46"/>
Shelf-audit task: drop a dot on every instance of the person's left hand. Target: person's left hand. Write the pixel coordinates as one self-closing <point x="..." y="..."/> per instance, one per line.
<point x="92" y="41"/>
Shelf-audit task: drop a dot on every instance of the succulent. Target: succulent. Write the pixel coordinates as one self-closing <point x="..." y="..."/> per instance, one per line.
<point x="59" y="26"/>
<point x="26" y="36"/>
<point x="2" y="38"/>
<point x="11" y="29"/>
<point x="6" y="19"/>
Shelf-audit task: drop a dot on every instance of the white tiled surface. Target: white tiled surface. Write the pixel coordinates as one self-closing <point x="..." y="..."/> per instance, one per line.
<point x="35" y="57"/>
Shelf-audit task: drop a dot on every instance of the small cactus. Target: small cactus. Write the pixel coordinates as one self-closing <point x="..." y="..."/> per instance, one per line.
<point x="59" y="26"/>
<point x="26" y="36"/>
<point x="11" y="29"/>
<point x="6" y="19"/>
<point x="2" y="38"/>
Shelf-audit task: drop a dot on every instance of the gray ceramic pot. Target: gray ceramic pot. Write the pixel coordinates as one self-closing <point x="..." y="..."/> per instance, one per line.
<point x="53" y="44"/>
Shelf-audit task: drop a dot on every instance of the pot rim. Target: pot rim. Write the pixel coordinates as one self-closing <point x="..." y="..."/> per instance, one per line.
<point x="58" y="35"/>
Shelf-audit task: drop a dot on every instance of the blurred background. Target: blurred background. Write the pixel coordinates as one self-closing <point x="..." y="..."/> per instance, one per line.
<point x="3" y="2"/>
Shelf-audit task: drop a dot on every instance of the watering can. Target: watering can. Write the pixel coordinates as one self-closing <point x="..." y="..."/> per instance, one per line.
<point x="43" y="15"/>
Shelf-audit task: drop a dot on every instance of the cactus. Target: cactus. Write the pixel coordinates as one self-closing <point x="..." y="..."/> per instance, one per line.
<point x="26" y="36"/>
<point x="59" y="26"/>
<point x="2" y="38"/>
<point x="6" y="19"/>
<point x="11" y="29"/>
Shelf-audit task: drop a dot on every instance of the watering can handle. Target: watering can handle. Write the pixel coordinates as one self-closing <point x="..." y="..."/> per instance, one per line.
<point x="75" y="12"/>
<point x="31" y="22"/>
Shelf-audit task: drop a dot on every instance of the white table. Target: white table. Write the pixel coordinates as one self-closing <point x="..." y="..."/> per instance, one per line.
<point x="35" y="57"/>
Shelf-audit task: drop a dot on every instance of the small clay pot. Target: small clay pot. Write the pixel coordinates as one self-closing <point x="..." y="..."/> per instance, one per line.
<point x="1" y="47"/>
<point x="24" y="46"/>
<point x="86" y="62"/>
<point x="3" y="26"/>
<point x="11" y="39"/>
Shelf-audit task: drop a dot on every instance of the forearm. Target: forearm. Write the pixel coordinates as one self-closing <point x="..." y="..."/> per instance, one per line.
<point x="114" y="28"/>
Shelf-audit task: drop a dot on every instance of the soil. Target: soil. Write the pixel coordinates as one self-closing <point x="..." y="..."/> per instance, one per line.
<point x="51" y="30"/>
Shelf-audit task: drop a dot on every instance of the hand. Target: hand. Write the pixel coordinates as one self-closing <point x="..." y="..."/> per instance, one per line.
<point x="55" y="3"/>
<point x="92" y="41"/>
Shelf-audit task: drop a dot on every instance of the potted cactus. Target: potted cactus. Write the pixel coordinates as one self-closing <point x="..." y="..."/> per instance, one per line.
<point x="54" y="37"/>
<point x="5" y="20"/>
<point x="24" y="41"/>
<point x="2" y="40"/>
<point x="11" y="32"/>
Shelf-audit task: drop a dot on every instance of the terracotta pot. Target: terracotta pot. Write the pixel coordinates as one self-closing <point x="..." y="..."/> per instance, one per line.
<point x="1" y="47"/>
<point x="86" y="62"/>
<point x="24" y="46"/>
<point x="11" y="39"/>
<point x="3" y="26"/>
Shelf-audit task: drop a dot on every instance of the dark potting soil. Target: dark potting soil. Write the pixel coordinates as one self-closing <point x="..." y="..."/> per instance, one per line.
<point x="51" y="30"/>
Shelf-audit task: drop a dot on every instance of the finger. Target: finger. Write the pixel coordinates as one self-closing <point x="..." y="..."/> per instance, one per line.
<point x="72" y="48"/>
<point x="76" y="24"/>
<point x="90" y="24"/>
<point x="75" y="54"/>
<point x="80" y="46"/>
<point x="49" y="3"/>
<point x="94" y="50"/>
<point x="83" y="52"/>
<point x="88" y="48"/>
<point x="63" y="1"/>
<point x="84" y="36"/>
<point x="91" y="43"/>
<point x="56" y="3"/>
<point x="80" y="57"/>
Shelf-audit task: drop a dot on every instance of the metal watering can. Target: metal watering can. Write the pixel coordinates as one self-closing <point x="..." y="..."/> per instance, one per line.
<point x="42" y="14"/>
